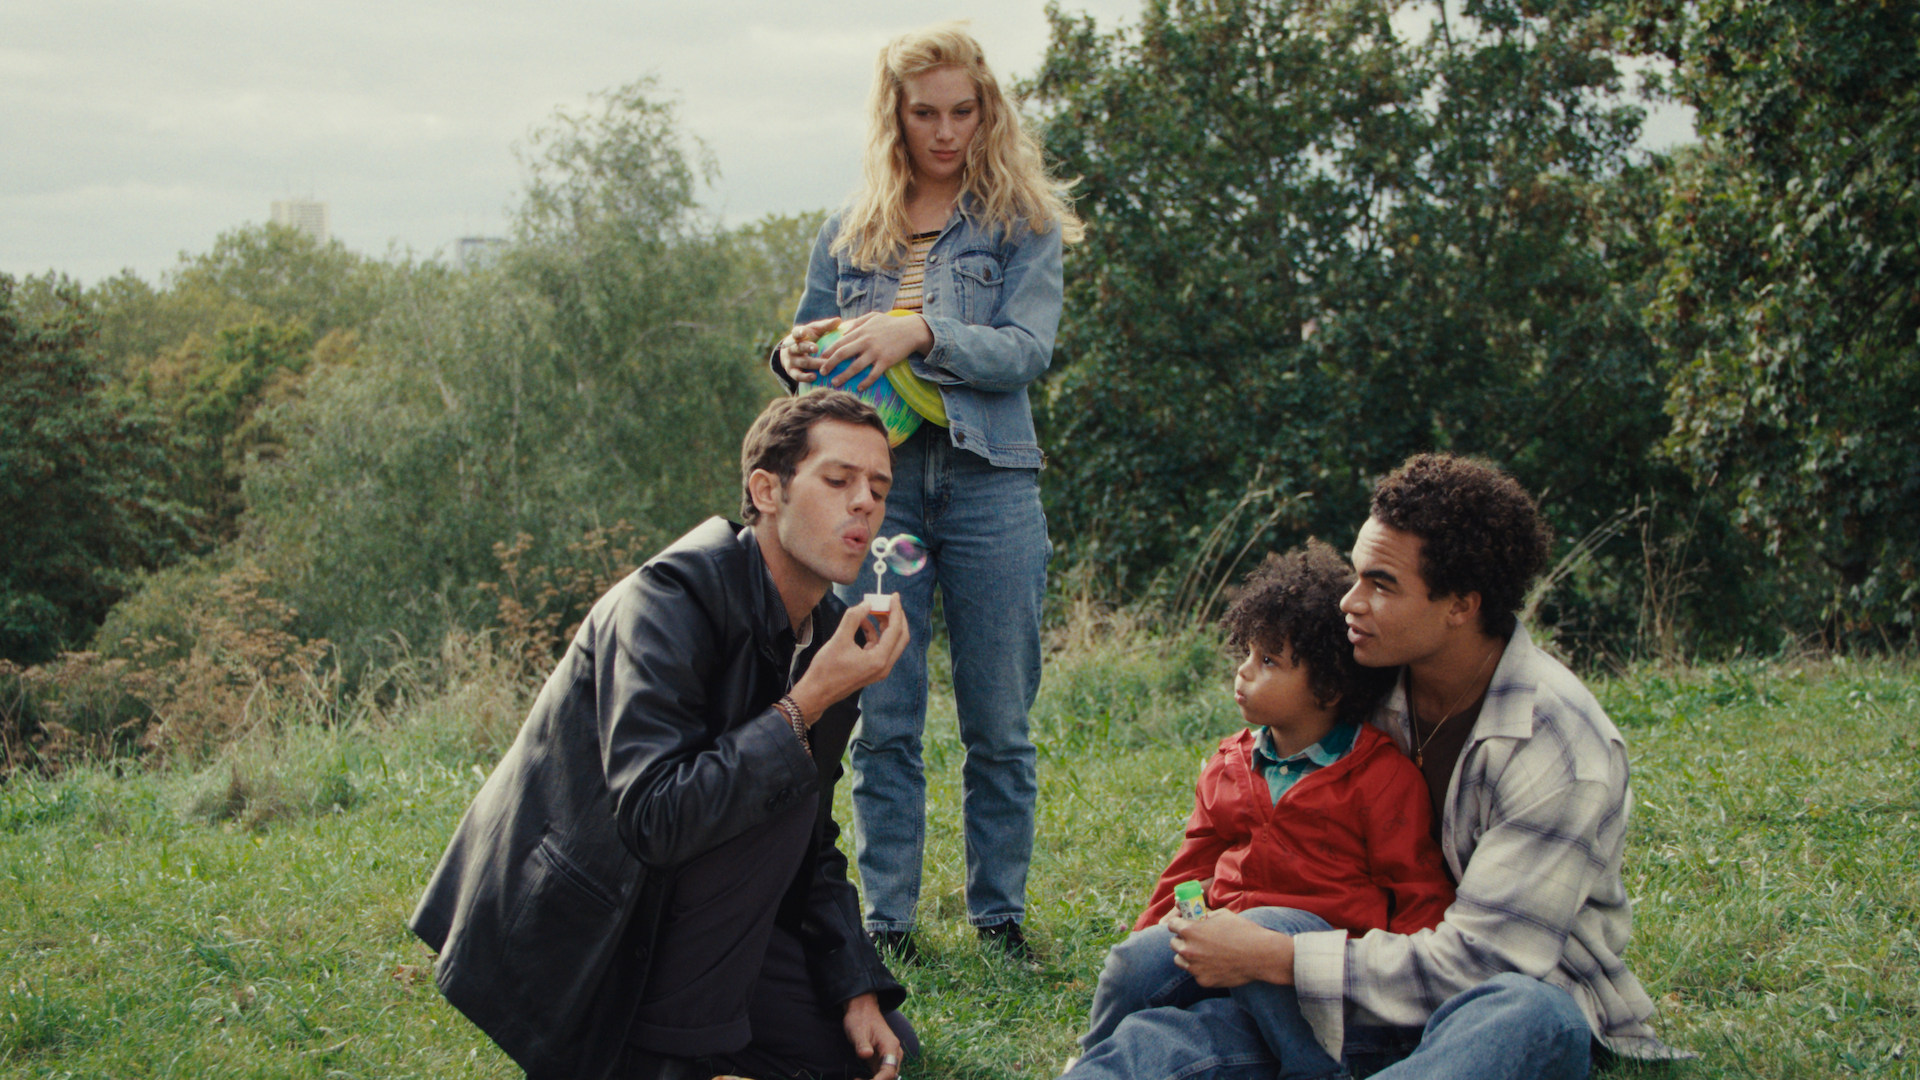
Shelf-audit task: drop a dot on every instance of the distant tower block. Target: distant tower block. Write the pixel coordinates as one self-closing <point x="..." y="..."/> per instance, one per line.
<point x="475" y="252"/>
<point x="304" y="214"/>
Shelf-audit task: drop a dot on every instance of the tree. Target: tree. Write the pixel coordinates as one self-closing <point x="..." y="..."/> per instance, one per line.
<point x="215" y="391"/>
<point x="1790" y="300"/>
<point x="603" y="370"/>
<point x="254" y="274"/>
<point x="84" y="474"/>
<point x="1317" y="247"/>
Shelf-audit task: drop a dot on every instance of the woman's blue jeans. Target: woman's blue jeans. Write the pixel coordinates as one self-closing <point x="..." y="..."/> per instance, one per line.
<point x="1151" y="1021"/>
<point x="988" y="539"/>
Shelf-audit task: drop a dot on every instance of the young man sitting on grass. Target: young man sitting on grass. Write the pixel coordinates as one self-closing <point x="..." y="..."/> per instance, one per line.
<point x="1526" y="974"/>
<point x="1306" y="809"/>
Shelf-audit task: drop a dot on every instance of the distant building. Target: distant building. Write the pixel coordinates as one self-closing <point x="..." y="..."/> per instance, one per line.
<point x="306" y="215"/>
<point x="474" y="252"/>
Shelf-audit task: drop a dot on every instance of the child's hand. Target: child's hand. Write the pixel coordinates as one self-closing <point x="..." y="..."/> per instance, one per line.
<point x="1226" y="950"/>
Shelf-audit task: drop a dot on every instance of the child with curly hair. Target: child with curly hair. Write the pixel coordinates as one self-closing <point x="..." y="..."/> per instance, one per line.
<point x="1308" y="808"/>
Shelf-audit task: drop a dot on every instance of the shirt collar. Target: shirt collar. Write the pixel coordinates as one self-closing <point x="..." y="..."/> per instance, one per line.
<point x="1507" y="711"/>
<point x="1325" y="752"/>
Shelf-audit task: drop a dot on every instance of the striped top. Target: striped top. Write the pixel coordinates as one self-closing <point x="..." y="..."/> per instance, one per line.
<point x="913" y="279"/>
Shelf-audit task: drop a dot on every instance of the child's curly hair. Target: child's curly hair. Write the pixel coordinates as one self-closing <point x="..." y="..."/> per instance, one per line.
<point x="1293" y="601"/>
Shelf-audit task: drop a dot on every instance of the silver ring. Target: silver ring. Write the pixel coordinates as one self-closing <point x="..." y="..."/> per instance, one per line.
<point x="889" y="1059"/>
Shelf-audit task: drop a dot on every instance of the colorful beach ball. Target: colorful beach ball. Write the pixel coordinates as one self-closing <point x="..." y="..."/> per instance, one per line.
<point x="902" y="398"/>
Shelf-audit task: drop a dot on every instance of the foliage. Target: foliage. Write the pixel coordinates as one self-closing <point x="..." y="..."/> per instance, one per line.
<point x="234" y="670"/>
<point x="226" y="332"/>
<point x="540" y="608"/>
<point x="82" y="708"/>
<point x="216" y="392"/>
<point x="1356" y="248"/>
<point x="254" y="274"/>
<point x="1791" y="293"/>
<point x="84" y="474"/>
<point x="238" y="666"/>
<point x="603" y="370"/>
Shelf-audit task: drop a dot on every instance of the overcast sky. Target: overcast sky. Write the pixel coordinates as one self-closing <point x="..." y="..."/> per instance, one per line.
<point x="135" y="130"/>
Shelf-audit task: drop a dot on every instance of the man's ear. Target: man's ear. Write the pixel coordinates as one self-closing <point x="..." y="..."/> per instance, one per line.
<point x="1462" y="608"/>
<point x="765" y="489"/>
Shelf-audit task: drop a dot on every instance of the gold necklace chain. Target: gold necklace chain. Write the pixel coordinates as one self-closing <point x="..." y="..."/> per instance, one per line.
<point x="1420" y="752"/>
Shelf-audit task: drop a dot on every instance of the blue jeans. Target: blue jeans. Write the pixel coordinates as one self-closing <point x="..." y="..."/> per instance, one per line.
<point x="988" y="542"/>
<point x="1151" y="1021"/>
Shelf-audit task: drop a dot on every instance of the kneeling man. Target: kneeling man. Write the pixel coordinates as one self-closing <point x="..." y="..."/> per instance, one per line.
<point x="1524" y="976"/>
<point x="648" y="886"/>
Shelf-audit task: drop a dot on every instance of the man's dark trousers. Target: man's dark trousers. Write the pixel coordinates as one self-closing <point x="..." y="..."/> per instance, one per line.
<point x="729" y="984"/>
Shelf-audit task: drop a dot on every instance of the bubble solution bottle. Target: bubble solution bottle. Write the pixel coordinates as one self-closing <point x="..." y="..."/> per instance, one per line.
<point x="1190" y="900"/>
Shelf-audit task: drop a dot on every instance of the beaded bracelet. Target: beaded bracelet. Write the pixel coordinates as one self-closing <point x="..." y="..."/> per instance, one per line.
<point x="795" y="718"/>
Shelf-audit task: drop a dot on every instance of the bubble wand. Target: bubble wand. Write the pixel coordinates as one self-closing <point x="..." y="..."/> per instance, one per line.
<point x="905" y="555"/>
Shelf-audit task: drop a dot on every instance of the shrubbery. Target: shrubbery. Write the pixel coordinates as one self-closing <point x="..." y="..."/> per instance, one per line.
<point x="1320" y="238"/>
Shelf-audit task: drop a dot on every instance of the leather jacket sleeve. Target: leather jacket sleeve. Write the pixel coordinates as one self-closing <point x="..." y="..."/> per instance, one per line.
<point x="842" y="959"/>
<point x="682" y="782"/>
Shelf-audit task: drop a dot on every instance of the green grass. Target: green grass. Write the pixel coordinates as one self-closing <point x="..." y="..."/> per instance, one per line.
<point x="248" y="919"/>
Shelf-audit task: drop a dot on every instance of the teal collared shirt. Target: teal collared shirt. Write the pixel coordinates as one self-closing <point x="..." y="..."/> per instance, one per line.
<point x="1283" y="773"/>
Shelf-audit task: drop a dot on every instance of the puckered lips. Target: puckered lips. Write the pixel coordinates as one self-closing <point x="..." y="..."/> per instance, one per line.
<point x="854" y="537"/>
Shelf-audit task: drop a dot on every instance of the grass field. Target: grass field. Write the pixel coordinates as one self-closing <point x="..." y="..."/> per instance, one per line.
<point x="247" y="919"/>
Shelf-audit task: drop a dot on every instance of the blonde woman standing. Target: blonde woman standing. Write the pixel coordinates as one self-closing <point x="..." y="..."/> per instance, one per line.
<point x="943" y="272"/>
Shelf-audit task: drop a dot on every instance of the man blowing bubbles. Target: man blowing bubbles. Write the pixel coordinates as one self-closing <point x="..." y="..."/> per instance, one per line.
<point x="648" y="885"/>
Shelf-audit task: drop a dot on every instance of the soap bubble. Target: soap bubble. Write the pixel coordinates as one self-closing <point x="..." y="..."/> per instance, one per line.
<point x="905" y="554"/>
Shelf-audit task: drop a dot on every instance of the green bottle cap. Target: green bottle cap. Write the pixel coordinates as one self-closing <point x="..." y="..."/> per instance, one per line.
<point x="1188" y="890"/>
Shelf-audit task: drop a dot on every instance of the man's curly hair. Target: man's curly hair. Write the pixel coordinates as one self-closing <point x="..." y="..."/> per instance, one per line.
<point x="1292" y="601"/>
<point x="1479" y="529"/>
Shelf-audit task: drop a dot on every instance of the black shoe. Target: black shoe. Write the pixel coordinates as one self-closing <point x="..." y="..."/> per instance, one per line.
<point x="1007" y="940"/>
<point x="895" y="945"/>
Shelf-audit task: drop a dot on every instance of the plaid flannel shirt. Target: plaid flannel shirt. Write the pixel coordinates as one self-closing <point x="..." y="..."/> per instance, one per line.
<point x="1533" y="829"/>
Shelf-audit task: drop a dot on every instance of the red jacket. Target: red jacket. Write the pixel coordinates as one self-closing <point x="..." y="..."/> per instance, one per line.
<point x="1351" y="842"/>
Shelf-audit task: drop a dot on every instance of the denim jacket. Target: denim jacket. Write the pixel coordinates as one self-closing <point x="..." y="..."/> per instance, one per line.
<point x="993" y="304"/>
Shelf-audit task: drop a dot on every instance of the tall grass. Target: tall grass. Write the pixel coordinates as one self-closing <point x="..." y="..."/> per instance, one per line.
<point x="244" y="915"/>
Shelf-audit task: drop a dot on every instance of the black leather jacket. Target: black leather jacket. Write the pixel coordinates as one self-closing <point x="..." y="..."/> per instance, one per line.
<point x="653" y="741"/>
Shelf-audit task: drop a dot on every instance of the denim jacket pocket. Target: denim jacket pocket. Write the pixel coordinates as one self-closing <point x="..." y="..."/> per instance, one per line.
<point x="980" y="275"/>
<point x="851" y="293"/>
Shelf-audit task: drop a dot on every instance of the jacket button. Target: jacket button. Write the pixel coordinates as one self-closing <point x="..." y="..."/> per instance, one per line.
<point x="959" y="438"/>
<point x="641" y="954"/>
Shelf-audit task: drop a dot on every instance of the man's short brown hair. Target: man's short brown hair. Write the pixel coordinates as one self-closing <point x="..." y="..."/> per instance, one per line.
<point x="780" y="436"/>
<point x="1479" y="530"/>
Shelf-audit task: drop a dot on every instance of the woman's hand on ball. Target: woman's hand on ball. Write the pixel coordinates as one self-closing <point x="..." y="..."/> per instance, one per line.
<point x="798" y="354"/>
<point x="876" y="341"/>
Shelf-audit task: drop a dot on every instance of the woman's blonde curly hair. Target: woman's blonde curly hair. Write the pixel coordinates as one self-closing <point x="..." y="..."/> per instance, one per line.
<point x="1005" y="175"/>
